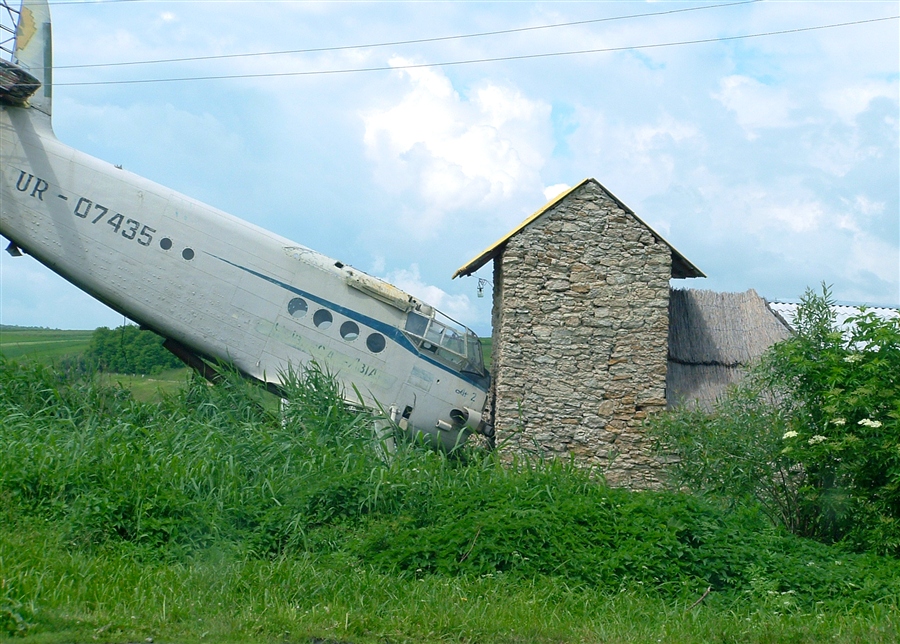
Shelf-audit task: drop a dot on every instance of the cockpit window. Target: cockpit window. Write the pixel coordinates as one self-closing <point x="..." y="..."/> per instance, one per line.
<point x="434" y="333"/>
<point x="447" y="339"/>
<point x="416" y="324"/>
<point x="473" y="350"/>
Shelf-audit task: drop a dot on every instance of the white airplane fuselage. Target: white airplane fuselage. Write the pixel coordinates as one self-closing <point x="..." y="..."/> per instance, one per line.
<point x="227" y="290"/>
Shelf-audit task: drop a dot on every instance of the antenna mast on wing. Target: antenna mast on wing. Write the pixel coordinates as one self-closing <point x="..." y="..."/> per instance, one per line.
<point x="26" y="54"/>
<point x="9" y="20"/>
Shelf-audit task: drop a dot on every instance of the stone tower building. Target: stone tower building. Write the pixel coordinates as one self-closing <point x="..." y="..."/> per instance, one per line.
<point x="580" y="319"/>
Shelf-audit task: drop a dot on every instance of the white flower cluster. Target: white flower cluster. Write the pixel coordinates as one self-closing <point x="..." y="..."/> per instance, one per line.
<point x="853" y="357"/>
<point x="868" y="422"/>
<point x="815" y="440"/>
<point x="789" y="434"/>
<point x="839" y="421"/>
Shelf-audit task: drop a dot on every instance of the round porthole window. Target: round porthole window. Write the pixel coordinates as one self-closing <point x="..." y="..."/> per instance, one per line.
<point x="375" y="342"/>
<point x="322" y="319"/>
<point x="298" y="307"/>
<point x="349" y="331"/>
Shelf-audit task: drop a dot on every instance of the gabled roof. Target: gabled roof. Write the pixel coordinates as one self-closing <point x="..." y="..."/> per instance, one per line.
<point x="681" y="267"/>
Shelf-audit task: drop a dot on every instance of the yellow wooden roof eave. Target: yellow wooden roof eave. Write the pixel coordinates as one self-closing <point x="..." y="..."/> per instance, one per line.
<point x="681" y="266"/>
<point x="491" y="251"/>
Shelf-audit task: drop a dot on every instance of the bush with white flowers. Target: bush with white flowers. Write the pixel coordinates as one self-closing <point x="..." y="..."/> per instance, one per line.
<point x="813" y="434"/>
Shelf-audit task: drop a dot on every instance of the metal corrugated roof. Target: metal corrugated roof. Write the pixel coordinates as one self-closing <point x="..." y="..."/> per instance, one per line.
<point x="681" y="267"/>
<point x="788" y="311"/>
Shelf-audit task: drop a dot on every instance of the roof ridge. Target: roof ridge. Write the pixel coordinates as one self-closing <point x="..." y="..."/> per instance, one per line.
<point x="686" y="268"/>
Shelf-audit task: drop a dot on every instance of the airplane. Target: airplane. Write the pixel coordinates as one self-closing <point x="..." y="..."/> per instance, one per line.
<point x="219" y="289"/>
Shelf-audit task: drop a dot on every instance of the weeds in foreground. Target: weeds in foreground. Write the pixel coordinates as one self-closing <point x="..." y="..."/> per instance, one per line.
<point x="294" y="519"/>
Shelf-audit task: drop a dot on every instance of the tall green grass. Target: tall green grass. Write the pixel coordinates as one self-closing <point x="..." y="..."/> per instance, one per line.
<point x="216" y="504"/>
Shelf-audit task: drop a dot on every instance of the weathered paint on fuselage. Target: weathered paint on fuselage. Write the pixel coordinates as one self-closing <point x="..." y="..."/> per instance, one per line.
<point x="215" y="283"/>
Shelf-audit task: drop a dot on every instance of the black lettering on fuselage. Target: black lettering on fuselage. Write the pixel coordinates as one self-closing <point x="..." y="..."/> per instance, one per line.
<point x="19" y="185"/>
<point x="40" y="187"/>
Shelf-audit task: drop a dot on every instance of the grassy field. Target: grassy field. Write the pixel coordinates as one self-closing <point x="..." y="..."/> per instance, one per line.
<point x="148" y="388"/>
<point x="45" y="345"/>
<point x="110" y="595"/>
<point x="211" y="516"/>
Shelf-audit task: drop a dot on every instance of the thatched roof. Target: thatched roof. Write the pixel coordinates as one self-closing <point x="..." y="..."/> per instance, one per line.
<point x="712" y="338"/>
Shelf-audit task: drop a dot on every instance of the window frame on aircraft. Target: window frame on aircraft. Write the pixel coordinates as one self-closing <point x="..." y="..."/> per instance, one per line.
<point x="446" y="339"/>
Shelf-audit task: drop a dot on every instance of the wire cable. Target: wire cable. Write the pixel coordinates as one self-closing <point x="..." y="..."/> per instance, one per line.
<point x="71" y="2"/>
<point x="357" y="70"/>
<point x="409" y="42"/>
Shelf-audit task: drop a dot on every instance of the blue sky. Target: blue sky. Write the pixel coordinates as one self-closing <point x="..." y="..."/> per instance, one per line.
<point x="771" y="162"/>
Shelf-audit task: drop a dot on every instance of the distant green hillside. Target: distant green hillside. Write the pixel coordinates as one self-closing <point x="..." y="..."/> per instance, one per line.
<point x="487" y="347"/>
<point x="43" y="345"/>
<point x="51" y="345"/>
<point x="46" y="346"/>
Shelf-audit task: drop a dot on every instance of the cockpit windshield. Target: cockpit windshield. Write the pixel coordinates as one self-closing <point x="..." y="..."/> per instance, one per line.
<point x="447" y="339"/>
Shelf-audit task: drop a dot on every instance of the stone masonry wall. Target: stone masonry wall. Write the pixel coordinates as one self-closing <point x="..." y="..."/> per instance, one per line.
<point x="580" y="318"/>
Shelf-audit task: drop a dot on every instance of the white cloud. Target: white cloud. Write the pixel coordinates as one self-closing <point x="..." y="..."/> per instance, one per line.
<point x="378" y="265"/>
<point x="799" y="215"/>
<point x="555" y="190"/>
<point x="852" y="100"/>
<point x="777" y="212"/>
<point x="838" y="155"/>
<point x="855" y="214"/>
<point x="795" y="238"/>
<point x="868" y="207"/>
<point x="755" y="105"/>
<point x="458" y="307"/>
<point x="454" y="152"/>
<point x="868" y="254"/>
<point x="633" y="158"/>
<point x="652" y="136"/>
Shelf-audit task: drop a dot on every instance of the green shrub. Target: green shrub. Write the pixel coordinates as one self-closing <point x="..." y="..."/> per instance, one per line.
<point x="128" y="349"/>
<point x="841" y="393"/>
<point x="813" y="434"/>
<point x="734" y="454"/>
